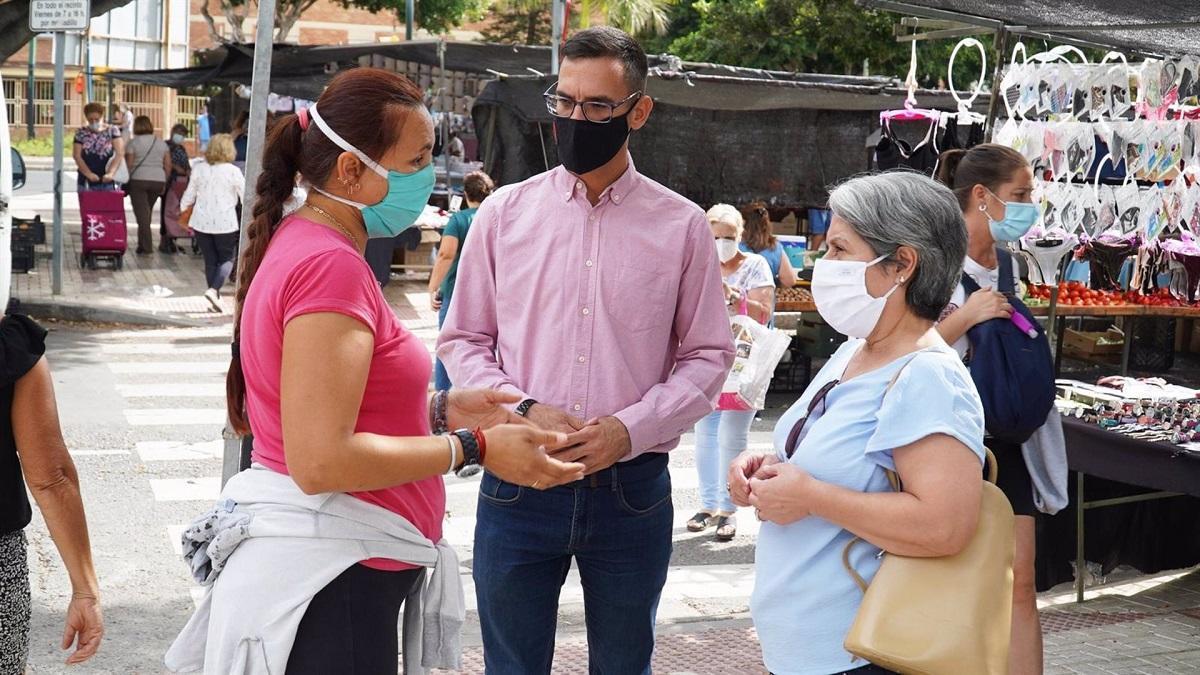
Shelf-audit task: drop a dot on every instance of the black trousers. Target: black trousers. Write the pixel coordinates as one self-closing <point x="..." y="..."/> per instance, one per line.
<point x="220" y="251"/>
<point x="351" y="625"/>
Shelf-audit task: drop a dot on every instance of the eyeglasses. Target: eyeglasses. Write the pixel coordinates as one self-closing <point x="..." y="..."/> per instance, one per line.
<point x="818" y="400"/>
<point x="594" y="111"/>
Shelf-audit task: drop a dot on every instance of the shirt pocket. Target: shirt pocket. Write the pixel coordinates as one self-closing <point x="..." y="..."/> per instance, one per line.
<point x="636" y="298"/>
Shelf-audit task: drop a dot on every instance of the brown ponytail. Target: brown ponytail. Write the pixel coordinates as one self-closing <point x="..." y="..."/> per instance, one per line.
<point x="758" y="236"/>
<point x="366" y="106"/>
<point x="987" y="164"/>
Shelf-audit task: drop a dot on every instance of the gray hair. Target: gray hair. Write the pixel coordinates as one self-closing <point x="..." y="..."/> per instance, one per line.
<point x="905" y="208"/>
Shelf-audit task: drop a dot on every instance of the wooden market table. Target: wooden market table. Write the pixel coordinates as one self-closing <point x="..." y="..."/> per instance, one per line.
<point x="1128" y="313"/>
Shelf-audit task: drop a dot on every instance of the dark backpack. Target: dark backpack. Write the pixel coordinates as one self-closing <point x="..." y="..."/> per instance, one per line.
<point x="1013" y="372"/>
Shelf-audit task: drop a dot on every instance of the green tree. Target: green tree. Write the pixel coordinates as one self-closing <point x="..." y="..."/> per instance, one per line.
<point x="525" y="22"/>
<point x="818" y="36"/>
<point x="640" y="17"/>
<point x="436" y="16"/>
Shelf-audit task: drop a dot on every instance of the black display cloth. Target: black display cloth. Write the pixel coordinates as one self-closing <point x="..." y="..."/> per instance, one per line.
<point x="1164" y="27"/>
<point x="1149" y="536"/>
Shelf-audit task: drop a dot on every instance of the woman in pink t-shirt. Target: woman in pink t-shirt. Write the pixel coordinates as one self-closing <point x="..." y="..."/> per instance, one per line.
<point x="333" y="387"/>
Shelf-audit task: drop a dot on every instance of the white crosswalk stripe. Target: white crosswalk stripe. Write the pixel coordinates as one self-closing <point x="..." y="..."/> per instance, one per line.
<point x="169" y="367"/>
<point x="186" y="489"/>
<point x="165" y="349"/>
<point x="173" y="451"/>
<point x="171" y="417"/>
<point x="173" y="390"/>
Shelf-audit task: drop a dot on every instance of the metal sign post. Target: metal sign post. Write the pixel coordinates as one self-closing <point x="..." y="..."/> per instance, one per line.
<point x="56" y="263"/>
<point x="558" y="10"/>
<point x="260" y="88"/>
<point x="58" y="16"/>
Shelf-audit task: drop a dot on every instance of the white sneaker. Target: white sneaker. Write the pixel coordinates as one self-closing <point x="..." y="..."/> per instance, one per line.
<point x="213" y="299"/>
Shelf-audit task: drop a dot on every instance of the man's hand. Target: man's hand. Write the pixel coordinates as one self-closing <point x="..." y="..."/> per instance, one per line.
<point x="598" y="445"/>
<point x="552" y="419"/>
<point x="435" y="301"/>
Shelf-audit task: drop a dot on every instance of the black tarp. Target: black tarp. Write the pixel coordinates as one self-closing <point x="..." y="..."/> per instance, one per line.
<point x="303" y="71"/>
<point x="782" y="138"/>
<point x="1162" y="27"/>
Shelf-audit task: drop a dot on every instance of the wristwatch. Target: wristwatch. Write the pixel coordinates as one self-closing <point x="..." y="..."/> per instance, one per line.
<point x="471" y="460"/>
<point x="524" y="406"/>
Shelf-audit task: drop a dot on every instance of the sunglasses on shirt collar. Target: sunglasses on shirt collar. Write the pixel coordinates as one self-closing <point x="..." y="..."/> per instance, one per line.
<point x="818" y="400"/>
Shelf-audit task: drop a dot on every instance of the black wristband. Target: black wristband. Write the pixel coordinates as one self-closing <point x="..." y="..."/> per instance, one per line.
<point x="470" y="446"/>
<point x="524" y="406"/>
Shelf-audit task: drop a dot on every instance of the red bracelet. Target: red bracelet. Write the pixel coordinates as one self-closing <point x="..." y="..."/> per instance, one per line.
<point x="481" y="441"/>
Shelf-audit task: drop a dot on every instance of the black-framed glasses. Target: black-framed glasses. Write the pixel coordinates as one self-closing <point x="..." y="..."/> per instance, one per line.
<point x="818" y="400"/>
<point x="600" y="112"/>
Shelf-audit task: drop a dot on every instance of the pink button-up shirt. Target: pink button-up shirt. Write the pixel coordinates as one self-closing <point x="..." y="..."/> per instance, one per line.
<point x="612" y="309"/>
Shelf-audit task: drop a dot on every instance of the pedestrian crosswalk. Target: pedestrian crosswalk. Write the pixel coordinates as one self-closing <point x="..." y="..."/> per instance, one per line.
<point x="171" y="384"/>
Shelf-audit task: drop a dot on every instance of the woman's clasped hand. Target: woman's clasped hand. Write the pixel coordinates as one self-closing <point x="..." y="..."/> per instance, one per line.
<point x="781" y="493"/>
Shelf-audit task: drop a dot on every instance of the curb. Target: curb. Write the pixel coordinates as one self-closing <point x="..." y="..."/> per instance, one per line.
<point x="47" y="163"/>
<point x="69" y="311"/>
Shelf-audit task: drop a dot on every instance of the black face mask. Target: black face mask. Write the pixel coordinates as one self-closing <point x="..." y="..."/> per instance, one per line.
<point x="584" y="145"/>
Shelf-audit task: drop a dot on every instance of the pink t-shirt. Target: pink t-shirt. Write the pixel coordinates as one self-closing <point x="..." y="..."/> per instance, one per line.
<point x="309" y="268"/>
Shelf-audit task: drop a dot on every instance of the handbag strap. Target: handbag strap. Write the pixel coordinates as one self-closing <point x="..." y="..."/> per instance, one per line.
<point x="153" y="142"/>
<point x="894" y="481"/>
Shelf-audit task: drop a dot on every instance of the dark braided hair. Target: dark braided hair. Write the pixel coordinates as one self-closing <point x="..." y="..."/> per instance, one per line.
<point x="366" y="106"/>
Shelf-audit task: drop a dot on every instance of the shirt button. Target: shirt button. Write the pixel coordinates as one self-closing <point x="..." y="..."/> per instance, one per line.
<point x="578" y="407"/>
<point x="617" y="199"/>
<point x="592" y="218"/>
<point x="582" y="358"/>
<point x="579" y="185"/>
<point x="586" y="311"/>
<point x="588" y="263"/>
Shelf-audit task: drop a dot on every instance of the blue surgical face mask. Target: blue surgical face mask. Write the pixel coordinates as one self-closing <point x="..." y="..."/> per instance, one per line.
<point x="407" y="194"/>
<point x="1019" y="218"/>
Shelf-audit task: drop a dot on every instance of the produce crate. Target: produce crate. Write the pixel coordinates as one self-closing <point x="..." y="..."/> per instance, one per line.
<point x="28" y="231"/>
<point x="816" y="339"/>
<point x="23" y="258"/>
<point x="1102" y="347"/>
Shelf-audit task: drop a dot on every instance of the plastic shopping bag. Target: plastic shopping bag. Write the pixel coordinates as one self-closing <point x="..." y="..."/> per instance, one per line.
<point x="758" y="351"/>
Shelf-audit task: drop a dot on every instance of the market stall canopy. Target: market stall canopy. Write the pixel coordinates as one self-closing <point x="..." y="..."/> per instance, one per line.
<point x="781" y="137"/>
<point x="716" y="87"/>
<point x="303" y="71"/>
<point x="1160" y="28"/>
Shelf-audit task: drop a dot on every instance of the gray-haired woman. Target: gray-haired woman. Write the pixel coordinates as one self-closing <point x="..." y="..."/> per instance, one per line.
<point x="894" y="397"/>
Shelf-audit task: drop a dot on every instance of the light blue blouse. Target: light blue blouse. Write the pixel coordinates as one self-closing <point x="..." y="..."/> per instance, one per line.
<point x="804" y="602"/>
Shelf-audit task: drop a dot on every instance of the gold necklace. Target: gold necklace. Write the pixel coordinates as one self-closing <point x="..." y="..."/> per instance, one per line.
<point x="336" y="222"/>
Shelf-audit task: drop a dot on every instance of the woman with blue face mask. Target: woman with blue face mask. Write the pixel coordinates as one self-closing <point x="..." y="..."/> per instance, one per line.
<point x="994" y="186"/>
<point x="336" y="393"/>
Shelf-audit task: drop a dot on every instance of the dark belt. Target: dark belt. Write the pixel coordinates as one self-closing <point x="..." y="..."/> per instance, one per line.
<point x="647" y="466"/>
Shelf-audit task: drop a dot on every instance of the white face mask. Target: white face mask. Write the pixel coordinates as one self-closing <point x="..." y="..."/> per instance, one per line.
<point x="178" y="139"/>
<point x="839" y="288"/>
<point x="96" y="126"/>
<point x="726" y="249"/>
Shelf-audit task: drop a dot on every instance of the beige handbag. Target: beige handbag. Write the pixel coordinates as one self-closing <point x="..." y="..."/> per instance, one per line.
<point x="942" y="616"/>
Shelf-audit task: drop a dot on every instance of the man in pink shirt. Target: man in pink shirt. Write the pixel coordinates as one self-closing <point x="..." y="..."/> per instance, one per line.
<point x="594" y="293"/>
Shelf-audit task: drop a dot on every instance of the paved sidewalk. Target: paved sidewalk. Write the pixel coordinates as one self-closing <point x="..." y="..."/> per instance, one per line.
<point x="159" y="289"/>
<point x="1138" y="625"/>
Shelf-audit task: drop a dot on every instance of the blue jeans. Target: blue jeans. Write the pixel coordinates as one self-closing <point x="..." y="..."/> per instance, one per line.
<point x="719" y="438"/>
<point x="441" y="379"/>
<point x="615" y="524"/>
